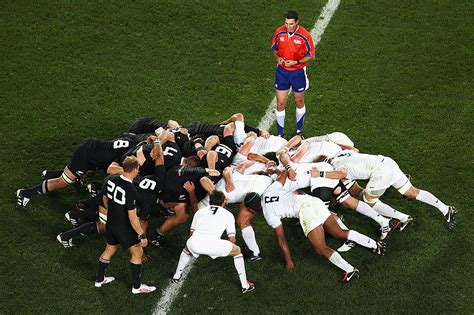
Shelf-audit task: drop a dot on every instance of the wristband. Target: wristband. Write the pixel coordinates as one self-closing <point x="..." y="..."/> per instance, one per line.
<point x="288" y="166"/>
<point x="297" y="62"/>
<point x="156" y="141"/>
<point x="142" y="236"/>
<point x="322" y="173"/>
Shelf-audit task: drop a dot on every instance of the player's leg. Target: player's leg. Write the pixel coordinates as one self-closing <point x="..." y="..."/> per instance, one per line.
<point x="333" y="228"/>
<point x="89" y="228"/>
<point x="104" y="261"/>
<point x="239" y="265"/>
<point x="405" y="187"/>
<point x="282" y="88"/>
<point x="317" y="240"/>
<point x="300" y="112"/>
<point x="364" y="209"/>
<point x="300" y="83"/>
<point x="136" y="252"/>
<point x="184" y="259"/>
<point x="24" y="195"/>
<point x="244" y="220"/>
<point x="180" y="217"/>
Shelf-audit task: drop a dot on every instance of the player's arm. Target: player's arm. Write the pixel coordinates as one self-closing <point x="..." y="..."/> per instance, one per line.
<point x="278" y="59"/>
<point x="230" y="229"/>
<point x="285" y="161"/>
<point x="193" y="201"/>
<point x="115" y="168"/>
<point x="207" y="184"/>
<point x="135" y="222"/>
<point x="340" y="173"/>
<point x="285" y="249"/>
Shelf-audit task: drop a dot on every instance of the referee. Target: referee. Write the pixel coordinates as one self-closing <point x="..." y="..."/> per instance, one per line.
<point x="123" y="226"/>
<point x="293" y="48"/>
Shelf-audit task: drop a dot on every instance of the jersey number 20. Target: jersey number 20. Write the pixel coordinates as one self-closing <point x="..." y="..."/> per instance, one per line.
<point x="115" y="193"/>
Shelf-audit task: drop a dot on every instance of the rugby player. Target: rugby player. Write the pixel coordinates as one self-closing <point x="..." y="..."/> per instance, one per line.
<point x="123" y="226"/>
<point x="91" y="154"/>
<point x="315" y="218"/>
<point x="381" y="173"/>
<point x="206" y="229"/>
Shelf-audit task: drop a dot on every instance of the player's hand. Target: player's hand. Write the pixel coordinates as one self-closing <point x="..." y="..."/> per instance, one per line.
<point x="290" y="266"/>
<point x="264" y="134"/>
<point x="291" y="174"/>
<point x="270" y="164"/>
<point x="145" y="257"/>
<point x="290" y="63"/>
<point x="281" y="60"/>
<point x="159" y="131"/>
<point x="189" y="186"/>
<point x="144" y="242"/>
<point x="213" y="172"/>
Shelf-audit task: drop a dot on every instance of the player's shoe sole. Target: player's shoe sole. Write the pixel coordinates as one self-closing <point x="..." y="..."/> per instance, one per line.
<point x="450" y="217"/>
<point x="21" y="201"/>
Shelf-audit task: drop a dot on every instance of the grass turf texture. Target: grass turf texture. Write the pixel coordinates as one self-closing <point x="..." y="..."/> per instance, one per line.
<point x="397" y="78"/>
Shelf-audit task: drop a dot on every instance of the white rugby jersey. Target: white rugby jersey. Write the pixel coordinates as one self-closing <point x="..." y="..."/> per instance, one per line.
<point x="270" y="144"/>
<point x="212" y="221"/>
<point x="327" y="148"/>
<point x="278" y="203"/>
<point x="358" y="165"/>
<point x="244" y="184"/>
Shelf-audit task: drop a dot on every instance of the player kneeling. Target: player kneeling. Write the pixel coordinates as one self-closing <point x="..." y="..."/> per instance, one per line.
<point x="208" y="225"/>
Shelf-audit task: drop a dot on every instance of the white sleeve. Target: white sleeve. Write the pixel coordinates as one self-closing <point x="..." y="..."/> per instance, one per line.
<point x="230" y="229"/>
<point x="196" y="219"/>
<point x="272" y="219"/>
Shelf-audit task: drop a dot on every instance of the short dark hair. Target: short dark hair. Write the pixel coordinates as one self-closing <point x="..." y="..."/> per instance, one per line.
<point x="291" y="15"/>
<point x="253" y="201"/>
<point x="216" y="198"/>
<point x="130" y="163"/>
<point x="272" y="157"/>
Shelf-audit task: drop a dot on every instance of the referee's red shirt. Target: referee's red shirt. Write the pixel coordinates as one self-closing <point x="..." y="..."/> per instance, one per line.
<point x="293" y="47"/>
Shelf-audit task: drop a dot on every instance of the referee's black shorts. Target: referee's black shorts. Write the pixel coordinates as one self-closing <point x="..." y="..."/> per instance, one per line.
<point x="123" y="235"/>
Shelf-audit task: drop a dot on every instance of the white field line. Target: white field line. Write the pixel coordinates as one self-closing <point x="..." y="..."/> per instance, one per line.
<point x="316" y="33"/>
<point x="171" y="291"/>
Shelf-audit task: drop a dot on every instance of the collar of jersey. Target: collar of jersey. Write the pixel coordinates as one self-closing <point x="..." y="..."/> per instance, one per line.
<point x="125" y="178"/>
<point x="290" y="35"/>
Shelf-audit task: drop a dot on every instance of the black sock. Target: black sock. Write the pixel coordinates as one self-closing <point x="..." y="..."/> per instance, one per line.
<point x="136" y="274"/>
<point x="87" y="214"/>
<point x="89" y="228"/>
<point x="49" y="174"/>
<point x="102" y="265"/>
<point x="36" y="190"/>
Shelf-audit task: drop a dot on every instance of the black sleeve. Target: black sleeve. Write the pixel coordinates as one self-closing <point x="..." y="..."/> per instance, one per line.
<point x="248" y="128"/>
<point x="193" y="173"/>
<point x="131" y="198"/>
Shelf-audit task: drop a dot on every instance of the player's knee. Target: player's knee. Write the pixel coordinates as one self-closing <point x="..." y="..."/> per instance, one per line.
<point x="411" y="192"/>
<point x="239" y="117"/>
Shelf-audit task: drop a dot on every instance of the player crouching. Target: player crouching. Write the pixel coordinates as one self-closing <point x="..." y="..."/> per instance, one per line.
<point x="206" y="229"/>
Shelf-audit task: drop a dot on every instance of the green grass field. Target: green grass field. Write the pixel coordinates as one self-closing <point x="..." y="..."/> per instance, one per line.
<point x="396" y="76"/>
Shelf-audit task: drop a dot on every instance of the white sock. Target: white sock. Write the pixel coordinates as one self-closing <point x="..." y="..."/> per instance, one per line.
<point x="340" y="262"/>
<point x="341" y="224"/>
<point x="366" y="210"/>
<point x="240" y="267"/>
<point x="280" y="119"/>
<point x="184" y="259"/>
<point x="429" y="198"/>
<point x="361" y="239"/>
<point x="388" y="211"/>
<point x="300" y="118"/>
<point x="248" y="235"/>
